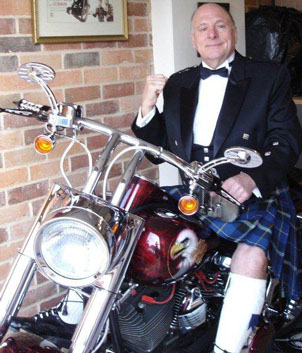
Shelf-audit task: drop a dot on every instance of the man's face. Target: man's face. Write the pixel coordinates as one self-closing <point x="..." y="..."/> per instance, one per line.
<point x="213" y="34"/>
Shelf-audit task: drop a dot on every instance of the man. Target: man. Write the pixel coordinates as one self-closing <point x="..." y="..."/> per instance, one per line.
<point x="204" y="113"/>
<point x="241" y="103"/>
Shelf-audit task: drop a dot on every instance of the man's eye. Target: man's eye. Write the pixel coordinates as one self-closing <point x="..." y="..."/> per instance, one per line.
<point x="221" y="26"/>
<point x="202" y="29"/>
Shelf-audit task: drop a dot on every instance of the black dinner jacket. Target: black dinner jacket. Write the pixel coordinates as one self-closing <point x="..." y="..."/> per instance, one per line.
<point x="257" y="112"/>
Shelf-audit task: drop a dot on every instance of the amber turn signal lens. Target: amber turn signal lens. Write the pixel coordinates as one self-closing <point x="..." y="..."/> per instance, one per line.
<point x="188" y="205"/>
<point x="44" y="144"/>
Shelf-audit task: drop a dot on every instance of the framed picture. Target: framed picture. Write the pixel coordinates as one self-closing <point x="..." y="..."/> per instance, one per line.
<point x="65" y="21"/>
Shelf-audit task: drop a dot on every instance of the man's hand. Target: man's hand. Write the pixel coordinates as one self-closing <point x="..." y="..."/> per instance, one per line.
<point x="240" y="186"/>
<point x="153" y="87"/>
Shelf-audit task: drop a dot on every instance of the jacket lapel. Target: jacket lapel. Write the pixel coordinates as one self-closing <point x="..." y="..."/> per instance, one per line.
<point x="189" y="99"/>
<point x="234" y="96"/>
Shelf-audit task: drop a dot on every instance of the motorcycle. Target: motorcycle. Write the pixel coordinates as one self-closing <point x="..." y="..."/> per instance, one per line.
<point x="157" y="276"/>
<point x="79" y="9"/>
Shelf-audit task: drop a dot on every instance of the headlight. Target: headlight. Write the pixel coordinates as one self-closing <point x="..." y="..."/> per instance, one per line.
<point x="73" y="247"/>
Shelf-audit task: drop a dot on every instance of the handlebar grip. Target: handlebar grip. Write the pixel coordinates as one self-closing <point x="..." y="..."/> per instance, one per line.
<point x="24" y="104"/>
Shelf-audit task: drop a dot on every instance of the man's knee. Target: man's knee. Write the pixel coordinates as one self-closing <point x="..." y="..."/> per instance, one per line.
<point x="249" y="261"/>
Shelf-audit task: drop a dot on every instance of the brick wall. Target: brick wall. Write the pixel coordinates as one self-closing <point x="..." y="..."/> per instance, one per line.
<point x="107" y="78"/>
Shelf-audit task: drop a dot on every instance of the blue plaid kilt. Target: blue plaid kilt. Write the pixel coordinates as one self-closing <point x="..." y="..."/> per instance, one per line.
<point x="270" y="224"/>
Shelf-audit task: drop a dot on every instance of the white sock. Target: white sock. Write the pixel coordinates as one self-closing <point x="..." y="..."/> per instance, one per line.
<point x="240" y="312"/>
<point x="72" y="309"/>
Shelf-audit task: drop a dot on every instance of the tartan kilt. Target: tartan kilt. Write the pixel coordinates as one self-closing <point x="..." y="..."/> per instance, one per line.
<point x="270" y="224"/>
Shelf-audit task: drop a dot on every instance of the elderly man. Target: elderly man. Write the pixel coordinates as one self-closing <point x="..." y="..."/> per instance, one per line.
<point x="229" y="101"/>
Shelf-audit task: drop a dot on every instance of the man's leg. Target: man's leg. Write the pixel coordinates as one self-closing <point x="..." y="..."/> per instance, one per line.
<point x="244" y="299"/>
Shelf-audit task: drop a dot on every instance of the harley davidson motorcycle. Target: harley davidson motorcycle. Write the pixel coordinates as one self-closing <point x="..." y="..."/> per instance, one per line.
<point x="157" y="275"/>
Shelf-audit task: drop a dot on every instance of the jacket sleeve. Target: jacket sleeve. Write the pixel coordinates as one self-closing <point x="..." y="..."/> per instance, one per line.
<point x="283" y="141"/>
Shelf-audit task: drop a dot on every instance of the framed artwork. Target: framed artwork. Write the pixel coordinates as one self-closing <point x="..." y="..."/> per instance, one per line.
<point x="65" y="21"/>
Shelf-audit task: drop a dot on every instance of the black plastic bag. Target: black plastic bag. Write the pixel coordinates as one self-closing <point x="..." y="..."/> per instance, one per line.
<point x="275" y="33"/>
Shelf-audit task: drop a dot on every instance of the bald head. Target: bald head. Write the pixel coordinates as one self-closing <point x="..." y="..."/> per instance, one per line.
<point x="213" y="4"/>
<point x="214" y="34"/>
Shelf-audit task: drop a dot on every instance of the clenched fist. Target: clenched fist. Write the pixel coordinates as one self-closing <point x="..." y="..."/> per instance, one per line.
<point x="153" y="87"/>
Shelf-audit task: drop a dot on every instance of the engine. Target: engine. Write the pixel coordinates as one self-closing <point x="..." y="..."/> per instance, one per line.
<point x="149" y="314"/>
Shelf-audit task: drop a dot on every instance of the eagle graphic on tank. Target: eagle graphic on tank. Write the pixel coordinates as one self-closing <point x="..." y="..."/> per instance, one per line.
<point x="168" y="248"/>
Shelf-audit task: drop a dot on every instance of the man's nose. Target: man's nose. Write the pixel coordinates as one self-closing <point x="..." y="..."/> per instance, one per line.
<point x="212" y="33"/>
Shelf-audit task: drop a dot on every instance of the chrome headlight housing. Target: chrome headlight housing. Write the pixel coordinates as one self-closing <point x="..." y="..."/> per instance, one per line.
<point x="74" y="245"/>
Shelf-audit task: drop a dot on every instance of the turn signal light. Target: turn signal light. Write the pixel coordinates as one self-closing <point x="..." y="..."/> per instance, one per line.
<point x="44" y="144"/>
<point x="188" y="205"/>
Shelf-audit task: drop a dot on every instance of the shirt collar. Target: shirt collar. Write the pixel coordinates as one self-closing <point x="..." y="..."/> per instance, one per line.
<point x="224" y="64"/>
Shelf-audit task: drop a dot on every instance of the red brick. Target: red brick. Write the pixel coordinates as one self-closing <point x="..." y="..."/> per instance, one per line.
<point x="139" y="87"/>
<point x="144" y="56"/>
<point x="61" y="46"/>
<point x="13" y="7"/>
<point x="118" y="90"/>
<point x="79" y="162"/>
<point x="51" y="59"/>
<point x="20" y="230"/>
<point x="115" y="57"/>
<point x="25" y="25"/>
<point x="13" y="177"/>
<point x="135" y="40"/>
<point x="96" y="142"/>
<point x="80" y="94"/>
<point x="109" y="107"/>
<point x="30" y="135"/>
<point x="130" y="103"/>
<point x="9" y="250"/>
<point x="43" y="291"/>
<point x="22" y="157"/>
<point x="100" y="75"/>
<point x="134" y="72"/>
<point x="7" y="26"/>
<point x="37" y="204"/>
<point x="61" y="147"/>
<point x="3" y="235"/>
<point x="137" y="9"/>
<point x="2" y="199"/>
<point x="4" y="270"/>
<point x="6" y="101"/>
<point x="40" y="278"/>
<point x="100" y="45"/>
<point x="141" y="25"/>
<point x="77" y="179"/>
<point x="67" y="78"/>
<point x="46" y="170"/>
<point x="41" y="98"/>
<point x="27" y="192"/>
<point x="10" y="139"/>
<point x="119" y="122"/>
<point x="13" y="122"/>
<point x="14" y="213"/>
<point x="11" y="82"/>
<point x="50" y="303"/>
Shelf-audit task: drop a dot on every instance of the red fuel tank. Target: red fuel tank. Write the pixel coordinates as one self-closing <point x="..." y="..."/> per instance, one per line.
<point x="168" y="248"/>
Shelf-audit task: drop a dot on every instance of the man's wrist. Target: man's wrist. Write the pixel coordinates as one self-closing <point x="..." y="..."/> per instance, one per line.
<point x="146" y="109"/>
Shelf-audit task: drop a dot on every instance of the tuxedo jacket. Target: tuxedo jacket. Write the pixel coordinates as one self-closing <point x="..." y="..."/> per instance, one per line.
<point x="257" y="112"/>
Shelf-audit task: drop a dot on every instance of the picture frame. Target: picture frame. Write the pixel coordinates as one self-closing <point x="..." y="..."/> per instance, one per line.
<point x="69" y="21"/>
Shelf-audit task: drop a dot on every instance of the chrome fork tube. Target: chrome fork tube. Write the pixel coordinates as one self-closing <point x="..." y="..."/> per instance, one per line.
<point x="14" y="289"/>
<point x="102" y="299"/>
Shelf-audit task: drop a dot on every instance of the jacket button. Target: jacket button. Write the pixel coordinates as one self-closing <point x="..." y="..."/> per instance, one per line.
<point x="176" y="143"/>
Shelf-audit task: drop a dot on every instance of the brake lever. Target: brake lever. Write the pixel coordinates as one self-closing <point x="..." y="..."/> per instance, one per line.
<point x="25" y="113"/>
<point x="223" y="193"/>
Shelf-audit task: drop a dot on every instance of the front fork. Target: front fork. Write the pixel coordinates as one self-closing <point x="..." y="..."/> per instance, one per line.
<point x="102" y="300"/>
<point x="16" y="285"/>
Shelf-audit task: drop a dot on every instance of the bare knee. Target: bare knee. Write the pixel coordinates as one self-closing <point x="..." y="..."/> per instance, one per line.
<point x="249" y="261"/>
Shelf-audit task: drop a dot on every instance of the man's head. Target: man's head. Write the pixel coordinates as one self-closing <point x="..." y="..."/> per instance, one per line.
<point x="214" y="34"/>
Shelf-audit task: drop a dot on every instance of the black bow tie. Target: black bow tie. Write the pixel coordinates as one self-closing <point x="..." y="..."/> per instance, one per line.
<point x="205" y="72"/>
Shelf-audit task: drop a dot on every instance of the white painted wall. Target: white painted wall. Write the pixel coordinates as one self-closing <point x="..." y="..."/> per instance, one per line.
<point x="173" y="50"/>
